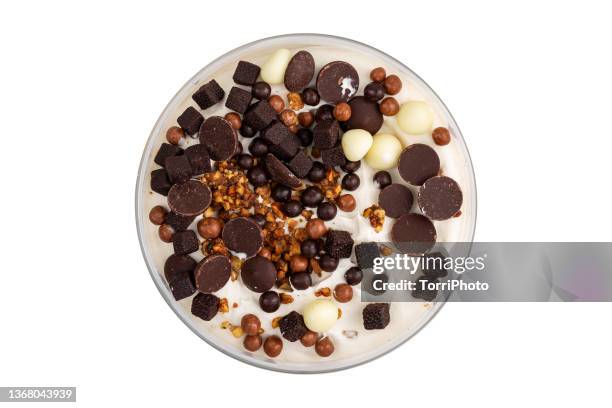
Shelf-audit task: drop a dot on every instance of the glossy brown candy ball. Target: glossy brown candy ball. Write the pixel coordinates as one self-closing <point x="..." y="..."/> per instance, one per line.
<point x="389" y="106"/>
<point x="166" y="232"/>
<point x="316" y="228"/>
<point x="382" y="179"/>
<point x="300" y="280"/>
<point x="346" y="202"/>
<point x="210" y="228"/>
<point x="273" y="346"/>
<point x="257" y="176"/>
<point x="298" y="263"/>
<point x="312" y="196"/>
<point x="309" y="339"/>
<point x="327" y="211"/>
<point x="310" y="96"/>
<point x="374" y="92"/>
<point x="351" y="166"/>
<point x="261" y="90"/>
<point x="245" y="161"/>
<point x="305" y="136"/>
<point x="342" y="112"/>
<point x="324" y="347"/>
<point x="277" y="103"/>
<point x="174" y="135"/>
<point x="350" y="182"/>
<point x="324" y="112"/>
<point x="252" y="342"/>
<point x="292" y="208"/>
<point x="353" y="276"/>
<point x="317" y="172"/>
<point x="247" y="131"/>
<point x="378" y="74"/>
<point x="258" y="148"/>
<point x="393" y="84"/>
<point x="234" y="120"/>
<point x="250" y="324"/>
<point x="281" y="193"/>
<point x="269" y="301"/>
<point x="157" y="215"/>
<point x="328" y="263"/>
<point x="305" y="119"/>
<point x="309" y="248"/>
<point x="343" y="292"/>
<point x="441" y="136"/>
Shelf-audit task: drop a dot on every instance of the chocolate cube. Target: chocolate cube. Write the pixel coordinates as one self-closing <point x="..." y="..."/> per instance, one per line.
<point x="238" y="100"/>
<point x="333" y="157"/>
<point x="166" y="150"/>
<point x="205" y="306"/>
<point x="185" y="242"/>
<point x="365" y="253"/>
<point x="292" y="326"/>
<point x="190" y="121"/>
<point x="178" y="168"/>
<point x="209" y="94"/>
<point x="198" y="159"/>
<point x="178" y="271"/>
<point x="287" y="148"/>
<point x="160" y="182"/>
<point x="259" y="115"/>
<point x="376" y="316"/>
<point x="326" y="134"/>
<point x="276" y="133"/>
<point x="178" y="222"/>
<point x="301" y="164"/>
<point x="246" y="73"/>
<point x="339" y="244"/>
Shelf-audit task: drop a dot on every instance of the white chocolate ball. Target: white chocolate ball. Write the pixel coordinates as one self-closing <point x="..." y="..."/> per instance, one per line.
<point x="415" y="117"/>
<point x="384" y="153"/>
<point x="356" y="143"/>
<point x="320" y="315"/>
<point x="273" y="70"/>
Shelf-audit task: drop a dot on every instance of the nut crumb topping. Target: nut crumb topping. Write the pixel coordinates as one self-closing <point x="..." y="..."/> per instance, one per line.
<point x="376" y="215"/>
<point x="323" y="292"/>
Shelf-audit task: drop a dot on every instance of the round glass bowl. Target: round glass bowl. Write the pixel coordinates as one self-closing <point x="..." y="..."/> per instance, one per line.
<point x="455" y="161"/>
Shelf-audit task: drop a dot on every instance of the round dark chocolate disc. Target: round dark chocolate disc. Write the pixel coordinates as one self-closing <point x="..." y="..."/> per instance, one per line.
<point x="190" y="198"/>
<point x="417" y="163"/>
<point x="212" y="273"/>
<point x="219" y="138"/>
<point x="280" y="173"/>
<point x="337" y="82"/>
<point x="396" y="200"/>
<point x="413" y="234"/>
<point x="440" y="198"/>
<point x="299" y="72"/>
<point x="178" y="264"/>
<point x="243" y="235"/>
<point x="365" y="115"/>
<point x="258" y="274"/>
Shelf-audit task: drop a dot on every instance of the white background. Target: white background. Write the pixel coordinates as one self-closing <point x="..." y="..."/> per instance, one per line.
<point x="81" y="86"/>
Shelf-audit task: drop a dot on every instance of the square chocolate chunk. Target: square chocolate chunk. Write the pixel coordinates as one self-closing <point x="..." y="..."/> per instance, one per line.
<point x="287" y="148"/>
<point x="178" y="222"/>
<point x="365" y="253"/>
<point x="301" y="164"/>
<point x="185" y="242"/>
<point x="259" y="115"/>
<point x="333" y="157"/>
<point x="166" y="150"/>
<point x="326" y="134"/>
<point x="198" y="158"/>
<point x="160" y="183"/>
<point x="276" y="133"/>
<point x="178" y="168"/>
<point x="190" y="121"/>
<point x="182" y="286"/>
<point x="208" y="94"/>
<point x="205" y="306"/>
<point x="339" y="244"/>
<point x="246" y="73"/>
<point x="376" y="316"/>
<point x="178" y="271"/>
<point x="238" y="100"/>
